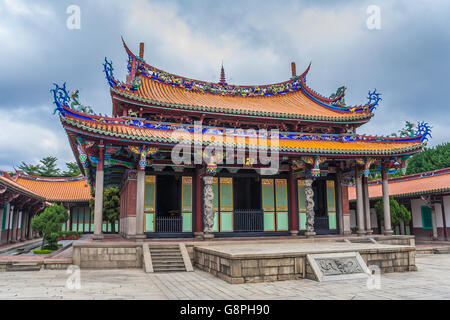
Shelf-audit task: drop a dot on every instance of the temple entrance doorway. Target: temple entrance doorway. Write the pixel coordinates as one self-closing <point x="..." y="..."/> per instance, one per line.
<point x="248" y="213"/>
<point x="168" y="203"/>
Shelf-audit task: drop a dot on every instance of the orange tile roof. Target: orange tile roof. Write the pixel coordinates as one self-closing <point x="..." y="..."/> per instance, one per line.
<point x="65" y="189"/>
<point x="114" y="127"/>
<point x="289" y="104"/>
<point x="410" y="185"/>
<point x="7" y="181"/>
<point x="291" y="99"/>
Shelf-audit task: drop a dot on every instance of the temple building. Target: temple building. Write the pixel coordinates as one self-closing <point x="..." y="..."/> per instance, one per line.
<point x="201" y="159"/>
<point x="25" y="195"/>
<point x="19" y="205"/>
<point x="426" y="195"/>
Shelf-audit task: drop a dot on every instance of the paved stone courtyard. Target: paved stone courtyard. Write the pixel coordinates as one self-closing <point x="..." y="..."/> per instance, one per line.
<point x="432" y="281"/>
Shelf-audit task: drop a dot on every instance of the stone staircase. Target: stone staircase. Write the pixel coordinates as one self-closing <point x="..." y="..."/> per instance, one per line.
<point x="23" y="266"/>
<point x="166" y="258"/>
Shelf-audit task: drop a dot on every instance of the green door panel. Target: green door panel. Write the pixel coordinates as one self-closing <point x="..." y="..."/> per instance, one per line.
<point x="226" y="221"/>
<point x="301" y="204"/>
<point x="331" y="203"/>
<point x="215" y="186"/>
<point x="215" y="227"/>
<point x="281" y="194"/>
<point x="186" y="192"/>
<point x="226" y="194"/>
<point x="149" y="222"/>
<point x="269" y="221"/>
<point x="187" y="222"/>
<point x="267" y="195"/>
<point x="282" y="221"/>
<point x="427" y="222"/>
<point x="150" y="191"/>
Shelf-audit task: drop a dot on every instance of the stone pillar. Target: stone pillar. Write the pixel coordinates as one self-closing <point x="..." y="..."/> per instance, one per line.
<point x="9" y="216"/>
<point x="444" y="222"/>
<point x="140" y="196"/>
<point x="198" y="204"/>
<point x="14" y="226"/>
<point x="339" y="210"/>
<point x="434" y="221"/>
<point x="293" y="202"/>
<point x="309" y="198"/>
<point x="386" y="206"/>
<point x="23" y="230"/>
<point x="365" y="186"/>
<point x="346" y="211"/>
<point x="359" y="203"/>
<point x="208" y="210"/>
<point x="30" y="230"/>
<point x="98" y="204"/>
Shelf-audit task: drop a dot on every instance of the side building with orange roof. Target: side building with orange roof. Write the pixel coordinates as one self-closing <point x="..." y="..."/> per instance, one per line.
<point x="72" y="192"/>
<point x="18" y="206"/>
<point x="426" y="195"/>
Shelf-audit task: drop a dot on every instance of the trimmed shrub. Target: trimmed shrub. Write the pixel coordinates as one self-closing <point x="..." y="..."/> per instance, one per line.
<point x="42" y="251"/>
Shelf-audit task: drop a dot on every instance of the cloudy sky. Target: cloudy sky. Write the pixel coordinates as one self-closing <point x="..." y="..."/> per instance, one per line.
<point x="407" y="59"/>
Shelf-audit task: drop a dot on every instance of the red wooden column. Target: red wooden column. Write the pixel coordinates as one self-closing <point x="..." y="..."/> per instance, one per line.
<point x="293" y="202"/>
<point x="198" y="204"/>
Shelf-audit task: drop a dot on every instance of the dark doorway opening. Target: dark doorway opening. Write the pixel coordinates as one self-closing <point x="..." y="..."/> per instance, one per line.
<point x="247" y="193"/>
<point x="168" y="203"/>
<point x="248" y="214"/>
<point x="320" y="205"/>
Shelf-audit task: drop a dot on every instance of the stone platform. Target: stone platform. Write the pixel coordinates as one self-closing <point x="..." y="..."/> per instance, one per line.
<point x="285" y="260"/>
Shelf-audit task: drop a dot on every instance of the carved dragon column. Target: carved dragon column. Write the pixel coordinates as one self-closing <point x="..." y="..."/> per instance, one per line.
<point x="208" y="210"/>
<point x="309" y="197"/>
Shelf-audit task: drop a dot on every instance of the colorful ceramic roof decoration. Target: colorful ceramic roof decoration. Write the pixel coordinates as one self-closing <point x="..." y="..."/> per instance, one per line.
<point x="415" y="185"/>
<point x="292" y="99"/>
<point x="142" y="131"/>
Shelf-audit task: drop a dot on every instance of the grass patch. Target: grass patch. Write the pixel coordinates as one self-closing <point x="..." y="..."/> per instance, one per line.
<point x="42" y="251"/>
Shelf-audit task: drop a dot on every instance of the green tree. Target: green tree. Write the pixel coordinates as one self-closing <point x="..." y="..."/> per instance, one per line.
<point x="430" y="159"/>
<point x="111" y="206"/>
<point x="399" y="213"/>
<point x="48" y="167"/>
<point x="73" y="169"/>
<point x="49" y="224"/>
<point x="29" y="168"/>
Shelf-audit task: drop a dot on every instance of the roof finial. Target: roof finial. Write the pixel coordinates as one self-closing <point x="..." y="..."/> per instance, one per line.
<point x="222" y="76"/>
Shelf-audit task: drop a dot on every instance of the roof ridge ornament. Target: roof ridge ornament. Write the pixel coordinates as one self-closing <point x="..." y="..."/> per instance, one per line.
<point x="60" y="98"/>
<point x="374" y="99"/>
<point x="108" y="70"/>
<point x="424" y="130"/>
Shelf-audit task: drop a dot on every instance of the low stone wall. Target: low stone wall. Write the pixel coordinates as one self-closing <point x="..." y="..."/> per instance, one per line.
<point x="396" y="240"/>
<point x="259" y="268"/>
<point x="107" y="255"/>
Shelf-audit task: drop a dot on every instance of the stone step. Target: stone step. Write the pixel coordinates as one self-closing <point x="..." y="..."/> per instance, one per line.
<point x="161" y="254"/>
<point x="164" y="250"/>
<point x="23" y="266"/>
<point x="441" y="250"/>
<point x="169" y="264"/>
<point x="169" y="269"/>
<point x="167" y="260"/>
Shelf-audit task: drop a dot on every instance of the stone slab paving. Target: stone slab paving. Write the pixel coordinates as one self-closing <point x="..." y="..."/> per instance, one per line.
<point x="432" y="281"/>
